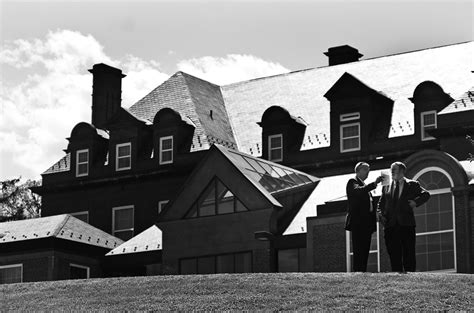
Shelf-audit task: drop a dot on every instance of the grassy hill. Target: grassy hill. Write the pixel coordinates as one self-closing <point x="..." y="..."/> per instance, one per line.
<point x="335" y="291"/>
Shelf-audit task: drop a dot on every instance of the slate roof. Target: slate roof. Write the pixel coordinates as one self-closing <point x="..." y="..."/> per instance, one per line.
<point x="301" y="92"/>
<point x="267" y="176"/>
<point x="194" y="99"/>
<point x="464" y="103"/>
<point x="148" y="240"/>
<point x="62" y="226"/>
<point x="63" y="165"/>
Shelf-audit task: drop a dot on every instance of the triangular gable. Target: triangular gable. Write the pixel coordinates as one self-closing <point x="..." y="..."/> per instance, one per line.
<point x="346" y="84"/>
<point x="217" y="165"/>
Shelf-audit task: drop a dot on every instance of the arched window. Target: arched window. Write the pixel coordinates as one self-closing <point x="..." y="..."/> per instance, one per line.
<point x="435" y="231"/>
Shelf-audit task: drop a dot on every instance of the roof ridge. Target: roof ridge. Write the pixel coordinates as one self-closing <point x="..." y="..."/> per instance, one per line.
<point x="195" y="77"/>
<point x="61" y="225"/>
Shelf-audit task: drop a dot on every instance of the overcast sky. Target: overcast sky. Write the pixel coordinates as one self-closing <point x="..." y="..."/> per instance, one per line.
<point x="47" y="47"/>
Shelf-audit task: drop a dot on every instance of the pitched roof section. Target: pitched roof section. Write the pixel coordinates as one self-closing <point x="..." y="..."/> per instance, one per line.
<point x="268" y="177"/>
<point x="63" y="165"/>
<point x="464" y="103"/>
<point x="195" y="99"/>
<point x="151" y="239"/>
<point x="302" y="92"/>
<point x="63" y="226"/>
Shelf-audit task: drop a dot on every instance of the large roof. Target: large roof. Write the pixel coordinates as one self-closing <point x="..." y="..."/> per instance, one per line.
<point x="302" y="92"/>
<point x="269" y="177"/>
<point x="463" y="103"/>
<point x="151" y="239"/>
<point x="62" y="226"/>
<point x="194" y="99"/>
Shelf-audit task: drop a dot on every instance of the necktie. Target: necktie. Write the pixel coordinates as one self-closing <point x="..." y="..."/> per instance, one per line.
<point x="395" y="194"/>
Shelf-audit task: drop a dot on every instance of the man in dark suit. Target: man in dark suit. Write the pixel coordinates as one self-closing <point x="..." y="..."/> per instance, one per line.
<point x="361" y="219"/>
<point x="395" y="212"/>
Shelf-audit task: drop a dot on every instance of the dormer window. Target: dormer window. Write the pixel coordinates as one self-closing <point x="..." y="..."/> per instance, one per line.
<point x="350" y="133"/>
<point x="82" y="163"/>
<point x="428" y="121"/>
<point x="166" y="150"/>
<point x="123" y="156"/>
<point x="275" y="148"/>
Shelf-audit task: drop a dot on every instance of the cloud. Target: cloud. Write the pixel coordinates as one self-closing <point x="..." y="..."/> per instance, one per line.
<point x="37" y="114"/>
<point x="51" y="91"/>
<point x="230" y="69"/>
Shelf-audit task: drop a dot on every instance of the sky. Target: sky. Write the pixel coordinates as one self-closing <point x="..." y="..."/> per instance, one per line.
<point x="46" y="48"/>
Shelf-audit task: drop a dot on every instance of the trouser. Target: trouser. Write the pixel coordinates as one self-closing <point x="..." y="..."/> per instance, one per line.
<point x="360" y="246"/>
<point x="400" y="242"/>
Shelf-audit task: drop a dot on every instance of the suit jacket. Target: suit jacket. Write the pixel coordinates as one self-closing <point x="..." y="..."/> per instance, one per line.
<point x="358" y="211"/>
<point x="402" y="212"/>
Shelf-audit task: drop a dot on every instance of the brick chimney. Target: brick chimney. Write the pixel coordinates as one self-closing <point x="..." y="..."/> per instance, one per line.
<point x="342" y="54"/>
<point x="106" y="93"/>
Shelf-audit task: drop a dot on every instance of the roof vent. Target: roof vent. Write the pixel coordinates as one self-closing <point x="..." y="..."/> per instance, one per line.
<point x="342" y="54"/>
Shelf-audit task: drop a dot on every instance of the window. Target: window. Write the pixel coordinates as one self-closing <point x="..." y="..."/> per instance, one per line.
<point x="82" y="162"/>
<point x="435" y="227"/>
<point x="349" y="117"/>
<point x="428" y="121"/>
<point x="123" y="156"/>
<point x="166" y="150"/>
<point x="291" y="260"/>
<point x="78" y="271"/>
<point x="216" y="199"/>
<point x="83" y="216"/>
<point x="10" y="274"/>
<point x="161" y="205"/>
<point x="373" y="263"/>
<point x="122" y="222"/>
<point x="275" y="148"/>
<point x="350" y="137"/>
<point x="224" y="263"/>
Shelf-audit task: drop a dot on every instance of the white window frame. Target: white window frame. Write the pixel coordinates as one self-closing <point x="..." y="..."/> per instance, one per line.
<point x="442" y="191"/>
<point x="161" y="205"/>
<point x="349" y="253"/>
<point x="422" y="123"/>
<point x="270" y="148"/>
<point x="113" y="219"/>
<point x="166" y="150"/>
<point x="117" y="147"/>
<point x="80" y="213"/>
<point x="82" y="267"/>
<point x="341" y="138"/>
<point x="80" y="163"/>
<point x="20" y="265"/>
<point x="349" y="116"/>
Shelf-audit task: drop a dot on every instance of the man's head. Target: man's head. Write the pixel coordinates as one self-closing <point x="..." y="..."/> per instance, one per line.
<point x="362" y="170"/>
<point x="398" y="170"/>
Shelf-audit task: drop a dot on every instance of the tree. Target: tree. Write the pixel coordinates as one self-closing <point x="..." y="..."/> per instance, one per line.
<point x="17" y="201"/>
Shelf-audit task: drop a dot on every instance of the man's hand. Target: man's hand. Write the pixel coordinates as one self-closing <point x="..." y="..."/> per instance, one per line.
<point x="412" y="204"/>
<point x="379" y="179"/>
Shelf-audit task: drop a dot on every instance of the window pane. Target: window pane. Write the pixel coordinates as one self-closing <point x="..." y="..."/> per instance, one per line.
<point x="10" y="275"/>
<point x="77" y="272"/>
<point x="225" y="263"/>
<point x="124" y="150"/>
<point x="239" y="206"/>
<point x="429" y="119"/>
<point x="166" y="156"/>
<point x="207" y="202"/>
<point x="350" y="131"/>
<point x="206" y="265"/>
<point x="124" y="162"/>
<point x="83" y="156"/>
<point x="82" y="168"/>
<point x="243" y="262"/>
<point x="276" y="142"/>
<point x="350" y="143"/>
<point x="167" y="144"/>
<point x="188" y="266"/>
<point x="288" y="260"/>
<point x="435" y="252"/>
<point x="275" y="154"/>
<point x="124" y="234"/>
<point x="372" y="263"/>
<point x="123" y="219"/>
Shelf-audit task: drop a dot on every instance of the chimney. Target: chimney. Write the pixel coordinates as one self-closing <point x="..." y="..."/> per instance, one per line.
<point x="106" y="93"/>
<point x="342" y="54"/>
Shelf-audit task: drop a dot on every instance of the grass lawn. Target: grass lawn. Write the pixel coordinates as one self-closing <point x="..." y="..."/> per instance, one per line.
<point x="278" y="291"/>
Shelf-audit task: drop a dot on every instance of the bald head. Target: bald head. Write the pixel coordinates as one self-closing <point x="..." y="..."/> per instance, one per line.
<point x="362" y="170"/>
